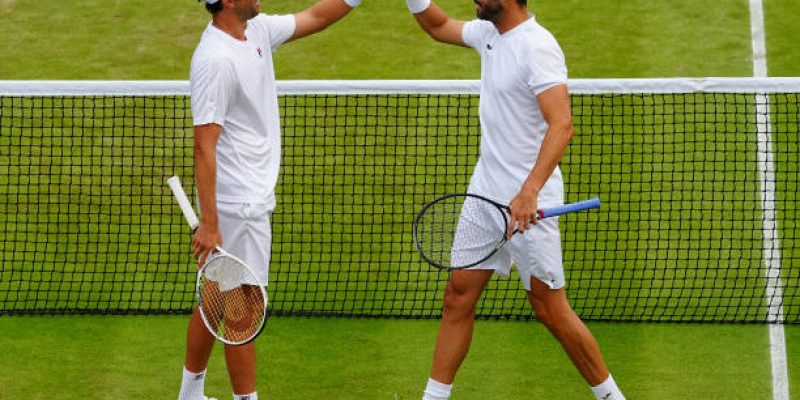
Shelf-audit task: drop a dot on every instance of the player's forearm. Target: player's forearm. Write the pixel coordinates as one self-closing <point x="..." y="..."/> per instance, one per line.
<point x="206" y="175"/>
<point x="439" y="26"/>
<point x="206" y="178"/>
<point x="555" y="106"/>
<point x="553" y="147"/>
<point x="327" y="12"/>
<point x="321" y="15"/>
<point x="431" y="19"/>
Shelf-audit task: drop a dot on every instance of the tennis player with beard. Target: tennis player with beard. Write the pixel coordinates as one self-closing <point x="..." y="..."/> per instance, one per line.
<point x="526" y="125"/>
<point x="237" y="154"/>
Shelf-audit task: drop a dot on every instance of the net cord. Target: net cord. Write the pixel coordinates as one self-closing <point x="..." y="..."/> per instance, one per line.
<point x="344" y="87"/>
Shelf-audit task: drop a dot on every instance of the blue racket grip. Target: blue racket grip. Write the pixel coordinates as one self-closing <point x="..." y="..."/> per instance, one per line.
<point x="569" y="208"/>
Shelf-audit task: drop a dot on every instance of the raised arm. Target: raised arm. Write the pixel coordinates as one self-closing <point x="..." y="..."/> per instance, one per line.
<point x="436" y="23"/>
<point x="320" y="16"/>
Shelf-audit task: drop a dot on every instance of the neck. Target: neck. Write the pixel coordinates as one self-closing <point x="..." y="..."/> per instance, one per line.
<point x="513" y="16"/>
<point x="230" y="24"/>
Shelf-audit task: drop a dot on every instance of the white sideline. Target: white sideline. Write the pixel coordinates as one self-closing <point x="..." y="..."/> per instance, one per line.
<point x="772" y="258"/>
<point x="758" y="36"/>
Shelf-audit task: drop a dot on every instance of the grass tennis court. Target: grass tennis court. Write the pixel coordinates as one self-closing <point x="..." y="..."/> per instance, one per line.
<point x="390" y="358"/>
<point x="378" y="359"/>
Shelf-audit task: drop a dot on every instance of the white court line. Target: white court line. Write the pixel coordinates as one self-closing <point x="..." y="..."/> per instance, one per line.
<point x="758" y="37"/>
<point x="772" y="259"/>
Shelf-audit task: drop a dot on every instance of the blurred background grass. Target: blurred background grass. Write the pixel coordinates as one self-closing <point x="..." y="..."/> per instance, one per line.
<point x="140" y="357"/>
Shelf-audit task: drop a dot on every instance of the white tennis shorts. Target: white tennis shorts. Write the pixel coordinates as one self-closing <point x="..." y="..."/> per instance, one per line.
<point x="247" y="234"/>
<point x="536" y="253"/>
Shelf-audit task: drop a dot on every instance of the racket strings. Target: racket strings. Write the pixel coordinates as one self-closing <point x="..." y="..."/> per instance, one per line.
<point x="233" y="308"/>
<point x="459" y="231"/>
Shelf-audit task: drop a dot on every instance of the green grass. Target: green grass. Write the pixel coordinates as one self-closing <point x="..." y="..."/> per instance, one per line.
<point x="145" y="40"/>
<point x="637" y="39"/>
<point x="783" y="34"/>
<point x="793" y="357"/>
<point x="300" y="358"/>
<point x="344" y="358"/>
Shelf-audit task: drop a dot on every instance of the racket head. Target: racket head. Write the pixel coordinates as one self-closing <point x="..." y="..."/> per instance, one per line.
<point x="458" y="231"/>
<point x="231" y="299"/>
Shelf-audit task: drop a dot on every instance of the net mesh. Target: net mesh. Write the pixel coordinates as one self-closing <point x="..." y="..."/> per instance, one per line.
<point x="698" y="223"/>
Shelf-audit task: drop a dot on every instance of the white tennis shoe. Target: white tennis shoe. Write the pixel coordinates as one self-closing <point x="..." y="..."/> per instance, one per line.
<point x="209" y="398"/>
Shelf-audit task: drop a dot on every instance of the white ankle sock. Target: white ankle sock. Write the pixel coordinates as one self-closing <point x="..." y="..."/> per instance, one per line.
<point x="437" y="390"/>
<point x="192" y="385"/>
<point x="607" y="390"/>
<point x="251" y="396"/>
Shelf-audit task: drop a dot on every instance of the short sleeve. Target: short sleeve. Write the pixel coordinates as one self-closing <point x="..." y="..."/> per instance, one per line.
<point x="279" y="28"/>
<point x="545" y="66"/>
<point x="213" y="82"/>
<point x="476" y="33"/>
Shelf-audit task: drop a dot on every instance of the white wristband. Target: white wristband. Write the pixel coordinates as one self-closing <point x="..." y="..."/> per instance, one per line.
<point x="418" y="6"/>
<point x="352" y="3"/>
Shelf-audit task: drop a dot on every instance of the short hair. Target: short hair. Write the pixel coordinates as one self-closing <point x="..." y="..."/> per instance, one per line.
<point x="522" y="2"/>
<point x="216" y="7"/>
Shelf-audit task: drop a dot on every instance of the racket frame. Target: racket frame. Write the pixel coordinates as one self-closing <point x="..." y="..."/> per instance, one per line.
<point x="504" y="211"/>
<point x="174" y="184"/>
<point x="260" y="287"/>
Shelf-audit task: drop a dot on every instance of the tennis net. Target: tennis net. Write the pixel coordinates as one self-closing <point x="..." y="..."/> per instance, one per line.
<point x="698" y="179"/>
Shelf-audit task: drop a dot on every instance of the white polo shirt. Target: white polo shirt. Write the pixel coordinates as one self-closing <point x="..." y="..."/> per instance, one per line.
<point x="233" y="85"/>
<point x="515" y="67"/>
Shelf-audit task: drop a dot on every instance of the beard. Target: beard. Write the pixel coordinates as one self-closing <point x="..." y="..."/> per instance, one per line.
<point x="256" y="9"/>
<point x="251" y="11"/>
<point x="488" y="10"/>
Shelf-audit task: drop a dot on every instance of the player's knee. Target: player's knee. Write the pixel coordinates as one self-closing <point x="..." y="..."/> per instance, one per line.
<point x="458" y="303"/>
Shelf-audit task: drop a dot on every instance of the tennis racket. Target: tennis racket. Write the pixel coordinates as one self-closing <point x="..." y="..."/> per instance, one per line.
<point x="477" y="224"/>
<point x="231" y="299"/>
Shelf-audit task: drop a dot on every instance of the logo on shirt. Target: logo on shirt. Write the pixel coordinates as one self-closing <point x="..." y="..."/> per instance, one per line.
<point x="260" y="54"/>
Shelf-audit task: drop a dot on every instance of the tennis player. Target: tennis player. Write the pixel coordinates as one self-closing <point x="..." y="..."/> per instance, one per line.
<point x="237" y="152"/>
<point x="526" y="125"/>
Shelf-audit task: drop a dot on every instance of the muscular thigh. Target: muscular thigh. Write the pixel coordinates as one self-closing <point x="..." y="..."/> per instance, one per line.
<point x="468" y="282"/>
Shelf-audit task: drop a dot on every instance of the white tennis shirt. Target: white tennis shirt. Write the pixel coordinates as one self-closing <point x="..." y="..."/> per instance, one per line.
<point x="515" y="67"/>
<point x="233" y="85"/>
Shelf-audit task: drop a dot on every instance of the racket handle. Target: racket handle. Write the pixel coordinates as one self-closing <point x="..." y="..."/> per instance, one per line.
<point x="569" y="208"/>
<point x="183" y="201"/>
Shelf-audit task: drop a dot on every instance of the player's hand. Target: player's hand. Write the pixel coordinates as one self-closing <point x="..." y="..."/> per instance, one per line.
<point x="523" y="209"/>
<point x="205" y="241"/>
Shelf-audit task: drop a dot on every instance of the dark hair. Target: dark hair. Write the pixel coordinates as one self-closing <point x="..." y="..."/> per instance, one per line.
<point x="522" y="2"/>
<point x="216" y="7"/>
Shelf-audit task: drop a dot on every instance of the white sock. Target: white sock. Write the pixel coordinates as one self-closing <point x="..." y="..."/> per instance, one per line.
<point x="192" y="385"/>
<point x="437" y="390"/>
<point x="251" y="396"/>
<point x="607" y="390"/>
